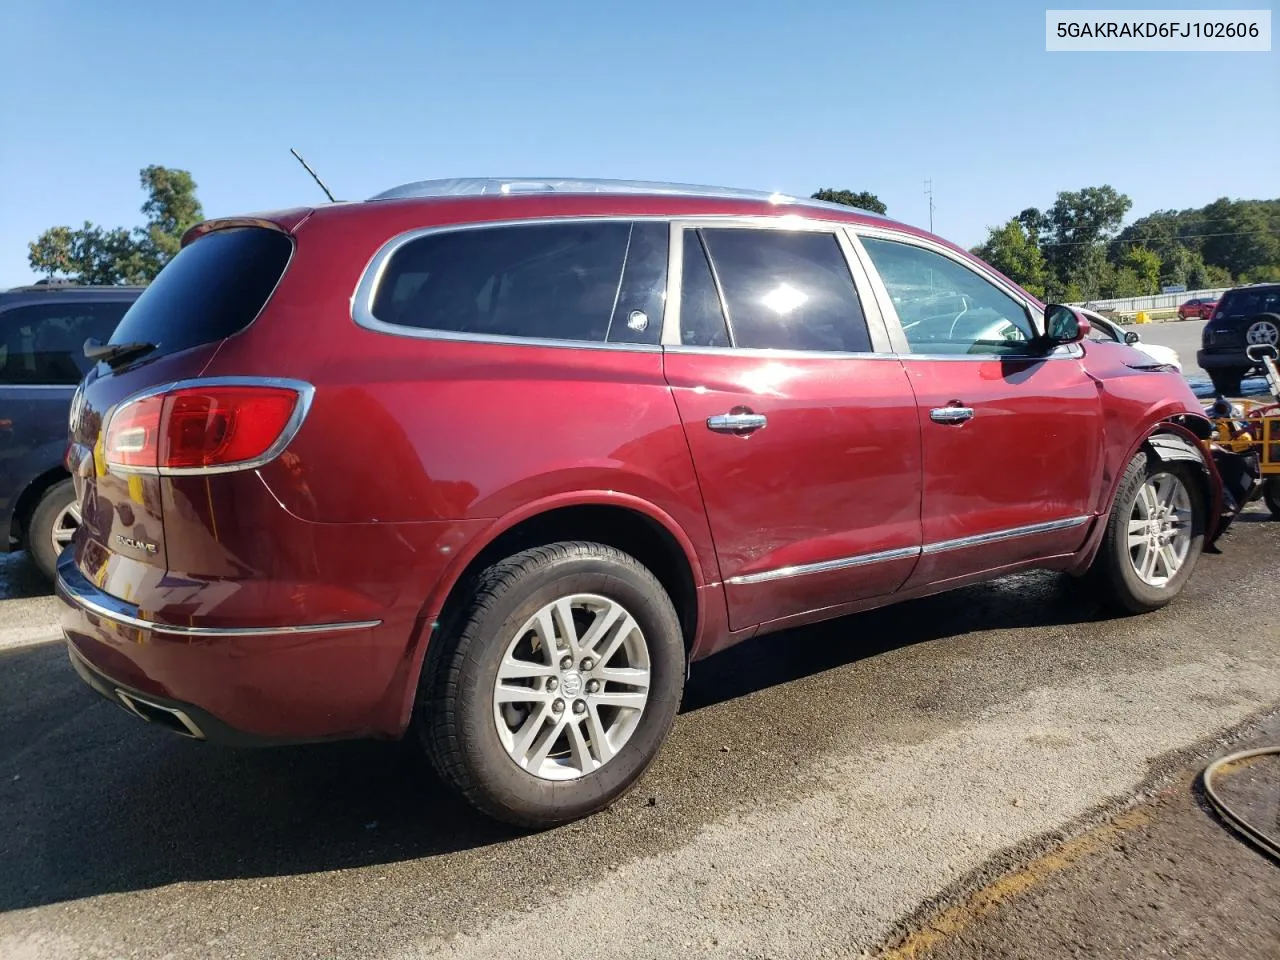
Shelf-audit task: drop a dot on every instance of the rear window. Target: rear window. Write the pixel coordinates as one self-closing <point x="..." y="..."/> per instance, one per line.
<point x="211" y="290"/>
<point x="594" y="281"/>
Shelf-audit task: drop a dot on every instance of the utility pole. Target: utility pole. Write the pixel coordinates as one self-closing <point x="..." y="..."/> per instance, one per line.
<point x="928" y="192"/>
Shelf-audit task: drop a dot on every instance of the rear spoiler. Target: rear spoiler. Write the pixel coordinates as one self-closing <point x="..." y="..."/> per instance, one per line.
<point x="286" y="221"/>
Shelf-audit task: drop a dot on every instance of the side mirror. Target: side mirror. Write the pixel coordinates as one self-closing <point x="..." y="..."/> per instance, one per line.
<point x="1131" y="336"/>
<point x="1063" y="325"/>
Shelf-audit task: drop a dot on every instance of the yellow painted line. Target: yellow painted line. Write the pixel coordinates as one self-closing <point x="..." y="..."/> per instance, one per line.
<point x="985" y="901"/>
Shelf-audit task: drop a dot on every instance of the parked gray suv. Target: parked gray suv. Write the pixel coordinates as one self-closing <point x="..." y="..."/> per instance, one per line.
<point x="42" y="333"/>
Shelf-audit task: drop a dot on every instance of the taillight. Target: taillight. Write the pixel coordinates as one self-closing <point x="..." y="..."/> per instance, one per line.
<point x="205" y="427"/>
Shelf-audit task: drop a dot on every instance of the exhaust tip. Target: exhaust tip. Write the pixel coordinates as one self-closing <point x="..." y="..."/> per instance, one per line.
<point x="168" y="717"/>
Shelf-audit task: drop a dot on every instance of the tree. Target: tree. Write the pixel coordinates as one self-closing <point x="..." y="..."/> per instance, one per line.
<point x="50" y="254"/>
<point x="98" y="255"/>
<point x="1076" y="223"/>
<point x="862" y="200"/>
<point x="171" y="210"/>
<point x="1145" y="267"/>
<point x="1015" y="254"/>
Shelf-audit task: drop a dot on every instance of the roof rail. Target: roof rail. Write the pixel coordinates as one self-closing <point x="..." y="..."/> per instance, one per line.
<point x="507" y="186"/>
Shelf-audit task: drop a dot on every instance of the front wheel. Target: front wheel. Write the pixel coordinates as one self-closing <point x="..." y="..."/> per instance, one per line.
<point x="551" y="691"/>
<point x="1154" y="535"/>
<point x="1271" y="496"/>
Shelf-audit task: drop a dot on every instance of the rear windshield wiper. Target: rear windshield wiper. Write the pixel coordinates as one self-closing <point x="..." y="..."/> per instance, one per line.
<point x="115" y="354"/>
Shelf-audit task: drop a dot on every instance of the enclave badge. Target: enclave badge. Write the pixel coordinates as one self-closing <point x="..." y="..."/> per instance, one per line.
<point x="136" y="544"/>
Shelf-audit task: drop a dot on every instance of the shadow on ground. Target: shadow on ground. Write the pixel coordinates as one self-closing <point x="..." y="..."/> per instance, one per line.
<point x="19" y="578"/>
<point x="97" y="803"/>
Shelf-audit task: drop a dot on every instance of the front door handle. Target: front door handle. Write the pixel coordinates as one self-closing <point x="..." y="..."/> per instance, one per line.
<point x="736" y="422"/>
<point x="951" y="414"/>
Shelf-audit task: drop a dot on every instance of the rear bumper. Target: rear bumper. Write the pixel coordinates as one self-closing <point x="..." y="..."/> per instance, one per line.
<point x="236" y="685"/>
<point x="1224" y="359"/>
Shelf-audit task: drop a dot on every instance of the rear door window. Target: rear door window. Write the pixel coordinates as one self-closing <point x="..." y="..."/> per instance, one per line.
<point x="787" y="290"/>
<point x="589" y="281"/>
<point x="212" y="289"/>
<point x="44" y="343"/>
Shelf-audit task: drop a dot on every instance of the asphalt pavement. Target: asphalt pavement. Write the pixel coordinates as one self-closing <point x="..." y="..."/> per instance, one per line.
<point x="821" y="787"/>
<point x="826" y="792"/>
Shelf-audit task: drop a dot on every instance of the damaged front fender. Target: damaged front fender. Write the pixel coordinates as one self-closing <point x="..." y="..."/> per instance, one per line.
<point x="1233" y="479"/>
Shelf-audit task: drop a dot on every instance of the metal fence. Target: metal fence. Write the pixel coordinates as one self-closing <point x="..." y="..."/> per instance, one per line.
<point x="1160" y="301"/>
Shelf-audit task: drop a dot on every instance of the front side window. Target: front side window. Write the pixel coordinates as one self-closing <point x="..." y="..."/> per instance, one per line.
<point x="945" y="307"/>
<point x="593" y="281"/>
<point x="44" y="343"/>
<point x="787" y="290"/>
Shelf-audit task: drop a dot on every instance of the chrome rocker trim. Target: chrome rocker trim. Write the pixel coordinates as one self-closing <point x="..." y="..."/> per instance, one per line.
<point x="903" y="553"/>
<point x="76" y="589"/>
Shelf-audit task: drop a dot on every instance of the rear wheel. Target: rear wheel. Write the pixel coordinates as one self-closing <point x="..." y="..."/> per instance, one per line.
<point x="1154" y="535"/>
<point x="551" y="691"/>
<point x="1271" y="496"/>
<point x="1227" y="380"/>
<point x="53" y="523"/>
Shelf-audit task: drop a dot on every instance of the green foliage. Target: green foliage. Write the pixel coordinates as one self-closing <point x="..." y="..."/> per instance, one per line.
<point x="862" y="200"/>
<point x="1012" y="251"/>
<point x="1076" y="224"/>
<point x="1144" y="265"/>
<point x="98" y="255"/>
<point x="1226" y="242"/>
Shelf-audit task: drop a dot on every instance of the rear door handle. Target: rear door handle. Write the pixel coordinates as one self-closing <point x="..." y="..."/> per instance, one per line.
<point x="951" y="414"/>
<point x="736" y="422"/>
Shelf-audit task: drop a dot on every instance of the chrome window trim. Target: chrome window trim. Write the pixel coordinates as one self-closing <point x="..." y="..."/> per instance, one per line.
<point x="305" y="391"/>
<point x="825" y="566"/>
<point x="38" y="386"/>
<point x="779" y="353"/>
<point x="370" y="279"/>
<point x="894" y="324"/>
<point x="995" y="536"/>
<point x="119" y="611"/>
<point x="902" y="553"/>
<point x="675" y="278"/>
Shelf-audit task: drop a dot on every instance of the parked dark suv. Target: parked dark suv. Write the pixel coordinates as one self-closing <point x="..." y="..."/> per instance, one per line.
<point x="1245" y="317"/>
<point x="495" y="462"/>
<point x="42" y="333"/>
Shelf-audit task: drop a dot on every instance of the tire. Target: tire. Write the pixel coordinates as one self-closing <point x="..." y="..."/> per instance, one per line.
<point x="50" y="512"/>
<point x="460" y="725"/>
<point x="1271" y="496"/>
<point x="1227" y="380"/>
<point x="1114" y="572"/>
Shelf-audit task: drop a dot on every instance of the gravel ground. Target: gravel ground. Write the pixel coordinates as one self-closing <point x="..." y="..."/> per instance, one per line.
<point x="1165" y="879"/>
<point x="819" y="787"/>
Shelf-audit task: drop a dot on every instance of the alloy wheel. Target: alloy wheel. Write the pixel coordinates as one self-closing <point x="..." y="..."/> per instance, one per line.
<point x="571" y="687"/>
<point x="1160" y="529"/>
<point x="1263" y="332"/>
<point x="65" y="525"/>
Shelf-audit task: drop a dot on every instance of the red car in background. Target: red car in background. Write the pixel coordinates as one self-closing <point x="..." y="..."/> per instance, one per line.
<point x="493" y="462"/>
<point x="1195" y="309"/>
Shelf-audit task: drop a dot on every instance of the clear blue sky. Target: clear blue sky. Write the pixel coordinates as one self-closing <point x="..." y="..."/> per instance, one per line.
<point x="790" y="97"/>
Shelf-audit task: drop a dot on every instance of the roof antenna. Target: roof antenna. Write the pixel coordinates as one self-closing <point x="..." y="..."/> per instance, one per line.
<point x="317" y="179"/>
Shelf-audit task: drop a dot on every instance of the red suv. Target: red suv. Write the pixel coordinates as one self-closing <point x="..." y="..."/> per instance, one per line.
<point x="495" y="462"/>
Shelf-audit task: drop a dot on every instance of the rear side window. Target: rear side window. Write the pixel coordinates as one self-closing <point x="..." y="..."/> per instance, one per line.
<point x="212" y="289"/>
<point x="44" y="343"/>
<point x="788" y="290"/>
<point x="1244" y="303"/>
<point x="594" y="281"/>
